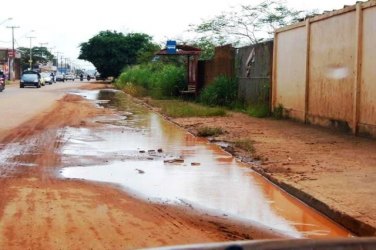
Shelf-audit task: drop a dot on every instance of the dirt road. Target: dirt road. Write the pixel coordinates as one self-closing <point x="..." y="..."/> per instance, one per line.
<point x="40" y="211"/>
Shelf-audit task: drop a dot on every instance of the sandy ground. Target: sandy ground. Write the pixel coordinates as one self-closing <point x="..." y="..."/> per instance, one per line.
<point x="40" y="211"/>
<point x="329" y="170"/>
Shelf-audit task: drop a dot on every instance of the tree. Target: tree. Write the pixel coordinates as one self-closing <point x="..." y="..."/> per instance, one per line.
<point x="248" y="24"/>
<point x="40" y="55"/>
<point x="111" y="51"/>
<point x="147" y="53"/>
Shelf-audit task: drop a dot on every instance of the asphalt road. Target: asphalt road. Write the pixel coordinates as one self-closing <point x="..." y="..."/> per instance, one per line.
<point x="17" y="105"/>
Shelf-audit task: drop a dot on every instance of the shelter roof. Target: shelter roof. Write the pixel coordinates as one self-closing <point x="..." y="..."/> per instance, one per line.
<point x="182" y="50"/>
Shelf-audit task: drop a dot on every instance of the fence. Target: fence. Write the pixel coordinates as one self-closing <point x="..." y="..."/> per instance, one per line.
<point x="254" y="71"/>
<point x="223" y="63"/>
<point x="323" y="69"/>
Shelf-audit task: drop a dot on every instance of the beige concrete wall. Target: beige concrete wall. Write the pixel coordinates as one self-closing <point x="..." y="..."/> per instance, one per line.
<point x="368" y="83"/>
<point x="324" y="69"/>
<point x="331" y="74"/>
<point x="290" y="73"/>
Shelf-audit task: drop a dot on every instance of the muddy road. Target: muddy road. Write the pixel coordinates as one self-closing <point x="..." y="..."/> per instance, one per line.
<point x="52" y="197"/>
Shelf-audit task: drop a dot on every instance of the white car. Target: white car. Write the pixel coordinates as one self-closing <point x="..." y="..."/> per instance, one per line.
<point x="46" y="77"/>
<point x="69" y="77"/>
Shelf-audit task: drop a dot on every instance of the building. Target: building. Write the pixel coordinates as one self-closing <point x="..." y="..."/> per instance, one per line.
<point x="10" y="63"/>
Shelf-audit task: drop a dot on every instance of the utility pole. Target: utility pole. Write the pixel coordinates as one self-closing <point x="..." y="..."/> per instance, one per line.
<point x="41" y="46"/>
<point x="57" y="60"/>
<point x="11" y="62"/>
<point x="66" y="66"/>
<point x="31" y="60"/>
<point x="61" y="63"/>
<point x="50" y="49"/>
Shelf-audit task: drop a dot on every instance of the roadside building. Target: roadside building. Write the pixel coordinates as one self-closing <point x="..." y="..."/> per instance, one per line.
<point x="10" y="63"/>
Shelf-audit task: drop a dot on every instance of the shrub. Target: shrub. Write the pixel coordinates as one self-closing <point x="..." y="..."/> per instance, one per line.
<point x="168" y="81"/>
<point x="246" y="145"/>
<point x="135" y="90"/>
<point x="222" y="91"/>
<point x="160" y="80"/>
<point x="209" y="131"/>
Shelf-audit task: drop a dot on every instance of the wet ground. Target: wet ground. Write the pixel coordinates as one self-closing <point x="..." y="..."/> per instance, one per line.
<point x="158" y="161"/>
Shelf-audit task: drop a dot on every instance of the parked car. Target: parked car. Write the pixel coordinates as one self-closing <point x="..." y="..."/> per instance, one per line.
<point x="69" y="77"/>
<point x="30" y="78"/>
<point x="60" y="78"/>
<point x="2" y="81"/>
<point x="46" y="77"/>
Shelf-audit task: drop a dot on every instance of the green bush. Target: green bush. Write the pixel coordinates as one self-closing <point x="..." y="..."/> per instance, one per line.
<point x="168" y="81"/>
<point x="160" y="80"/>
<point x="222" y="91"/>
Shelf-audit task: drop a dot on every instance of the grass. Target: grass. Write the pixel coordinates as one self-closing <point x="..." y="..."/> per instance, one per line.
<point x="278" y="112"/>
<point x="258" y="110"/>
<point x="209" y="131"/>
<point x="135" y="90"/>
<point x="176" y="108"/>
<point x="246" y="145"/>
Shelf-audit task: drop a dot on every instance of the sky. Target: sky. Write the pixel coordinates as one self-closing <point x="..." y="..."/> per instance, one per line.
<point x="65" y="24"/>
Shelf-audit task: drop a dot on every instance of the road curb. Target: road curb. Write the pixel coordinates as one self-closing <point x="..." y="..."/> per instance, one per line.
<point x="356" y="226"/>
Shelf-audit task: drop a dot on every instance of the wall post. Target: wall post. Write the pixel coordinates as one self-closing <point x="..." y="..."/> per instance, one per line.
<point x="307" y="66"/>
<point x="357" y="67"/>
<point x="274" y="72"/>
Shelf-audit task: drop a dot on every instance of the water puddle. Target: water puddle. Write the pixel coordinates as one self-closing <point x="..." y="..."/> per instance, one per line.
<point x="157" y="160"/>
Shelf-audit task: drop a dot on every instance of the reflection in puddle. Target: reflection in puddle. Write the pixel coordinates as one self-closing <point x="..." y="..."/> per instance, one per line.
<point x="143" y="154"/>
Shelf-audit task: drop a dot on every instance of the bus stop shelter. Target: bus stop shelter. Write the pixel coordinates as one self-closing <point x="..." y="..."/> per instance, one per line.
<point x="192" y="54"/>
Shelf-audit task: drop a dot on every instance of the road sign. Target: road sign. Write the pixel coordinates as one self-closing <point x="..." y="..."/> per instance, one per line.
<point x="171" y="47"/>
<point x="10" y="53"/>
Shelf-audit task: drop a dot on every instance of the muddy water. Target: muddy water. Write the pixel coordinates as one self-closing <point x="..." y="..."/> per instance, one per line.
<point x="159" y="161"/>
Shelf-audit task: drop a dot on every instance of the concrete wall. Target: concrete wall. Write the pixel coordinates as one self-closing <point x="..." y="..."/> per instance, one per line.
<point x="324" y="69"/>
<point x="290" y="79"/>
<point x="367" y="105"/>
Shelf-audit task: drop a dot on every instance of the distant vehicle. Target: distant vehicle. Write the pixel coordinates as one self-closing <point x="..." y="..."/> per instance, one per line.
<point x="69" y="77"/>
<point x="2" y="81"/>
<point x="99" y="77"/>
<point x="46" y="77"/>
<point x="60" y="78"/>
<point x="30" y="78"/>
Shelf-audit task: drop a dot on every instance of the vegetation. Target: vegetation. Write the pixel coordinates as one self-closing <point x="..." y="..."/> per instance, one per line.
<point x="222" y="91"/>
<point x="111" y="51"/>
<point x="209" y="131"/>
<point x="246" y="145"/>
<point x="248" y="23"/>
<point x="38" y="54"/>
<point x="157" y="79"/>
<point x="278" y="112"/>
<point x="177" y="108"/>
<point x="258" y="110"/>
